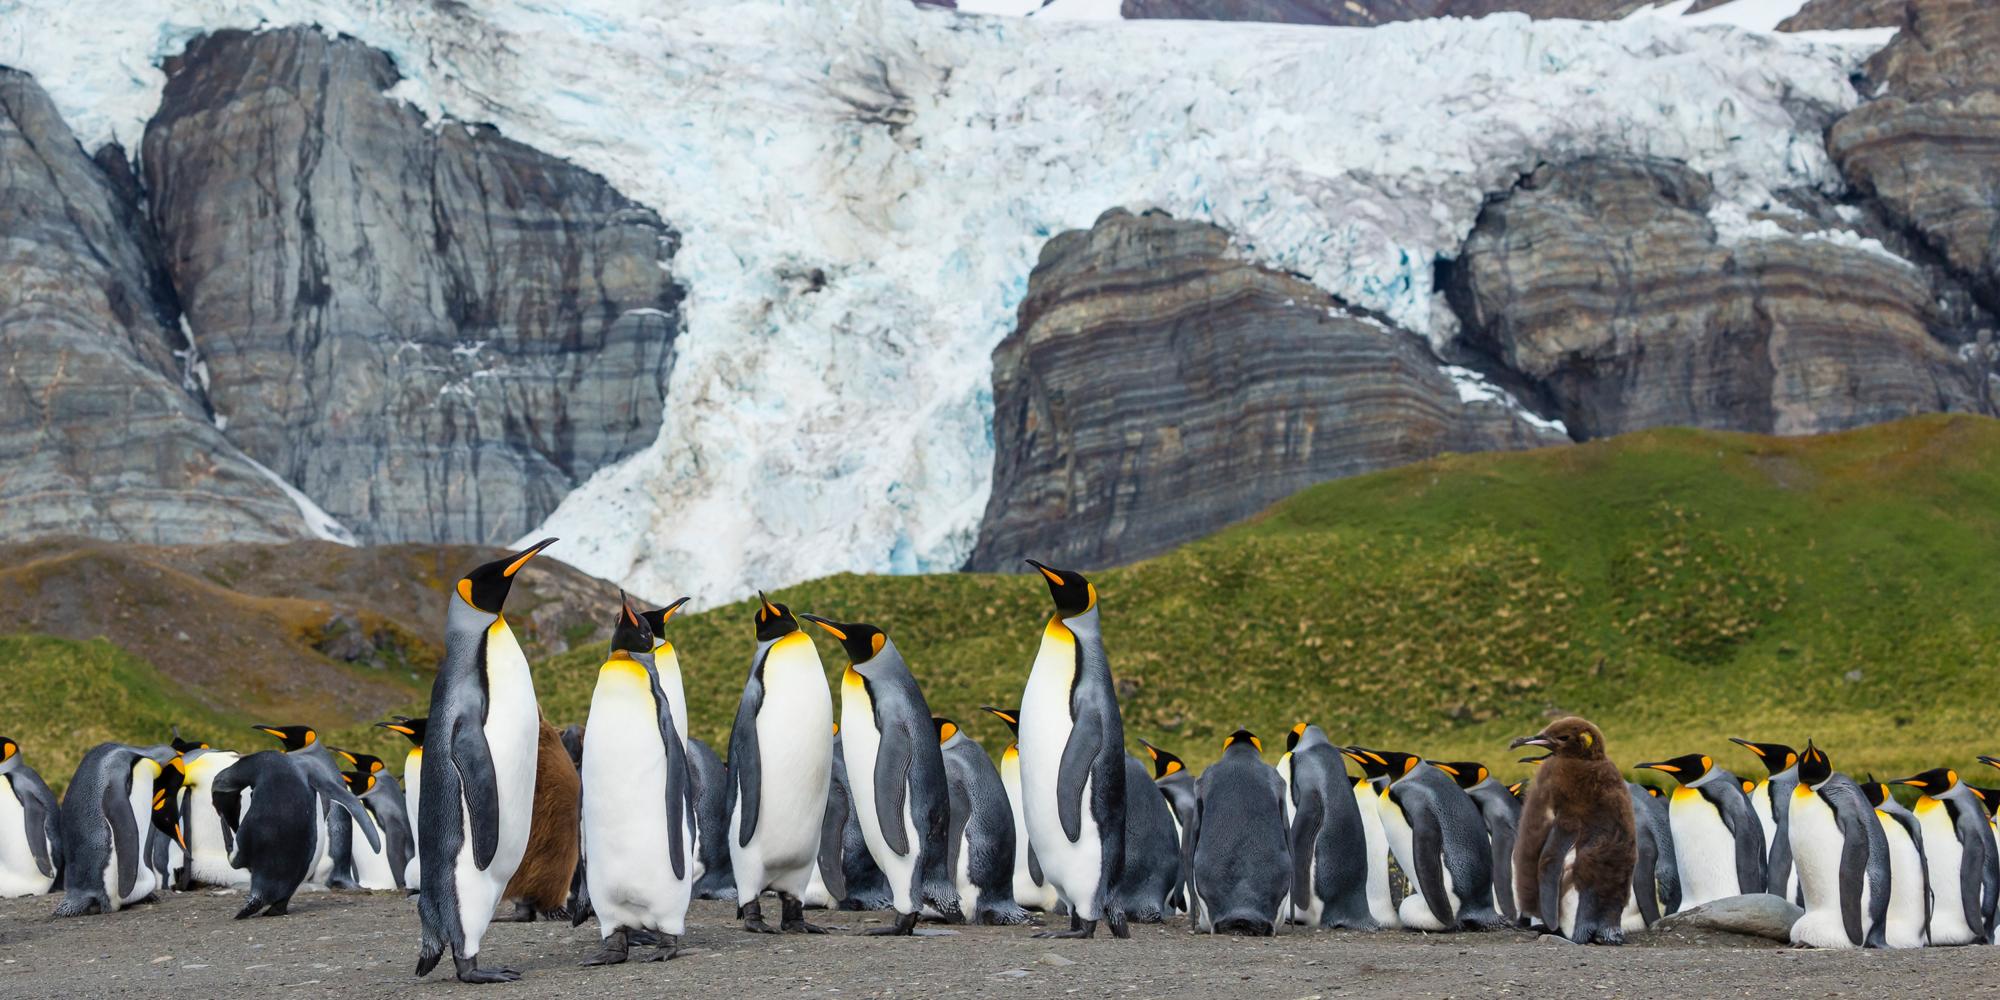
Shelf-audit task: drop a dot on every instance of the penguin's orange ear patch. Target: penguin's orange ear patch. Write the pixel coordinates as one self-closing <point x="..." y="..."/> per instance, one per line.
<point x="465" y="591"/>
<point x="1173" y="767"/>
<point x="877" y="641"/>
<point x="947" y="730"/>
<point x="1409" y="764"/>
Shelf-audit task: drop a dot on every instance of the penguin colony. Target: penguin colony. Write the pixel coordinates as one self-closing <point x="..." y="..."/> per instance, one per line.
<point x="888" y="806"/>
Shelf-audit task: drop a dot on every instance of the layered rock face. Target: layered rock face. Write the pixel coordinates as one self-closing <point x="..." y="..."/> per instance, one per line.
<point x="1335" y="12"/>
<point x="435" y="333"/>
<point x="1926" y="149"/>
<point x="99" y="435"/>
<point x="1824" y="15"/>
<point x="1606" y="285"/>
<point x="1156" y="389"/>
<point x="1816" y="14"/>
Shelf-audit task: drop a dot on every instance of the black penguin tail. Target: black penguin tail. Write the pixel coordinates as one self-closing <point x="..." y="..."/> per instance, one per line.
<point x="1247" y="926"/>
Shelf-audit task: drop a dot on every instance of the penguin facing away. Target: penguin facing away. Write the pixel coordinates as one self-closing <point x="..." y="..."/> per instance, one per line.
<point x="105" y="813"/>
<point x="1908" y="921"/>
<point x="31" y="847"/>
<point x="895" y="773"/>
<point x="1152" y="851"/>
<point x="980" y="838"/>
<point x="1718" y="842"/>
<point x="1576" y="838"/>
<point x="1436" y="834"/>
<point x="1375" y="839"/>
<point x="1842" y="856"/>
<point x="1501" y="812"/>
<point x="1072" y="741"/>
<point x="1656" y="875"/>
<point x="413" y="777"/>
<point x="1771" y="799"/>
<point x="1242" y="849"/>
<point x="1957" y="849"/>
<point x="277" y="834"/>
<point x="639" y="802"/>
<point x="1328" y="844"/>
<point x="480" y="749"/>
<point x="1031" y="889"/>
<point x="334" y="865"/>
<point x="780" y="771"/>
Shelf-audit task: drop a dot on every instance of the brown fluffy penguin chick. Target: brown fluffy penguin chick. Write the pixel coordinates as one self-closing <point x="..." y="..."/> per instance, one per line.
<point x="541" y="885"/>
<point x="1576" y="841"/>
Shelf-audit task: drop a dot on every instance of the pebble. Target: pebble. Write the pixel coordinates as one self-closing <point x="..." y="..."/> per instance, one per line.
<point x="1056" y="960"/>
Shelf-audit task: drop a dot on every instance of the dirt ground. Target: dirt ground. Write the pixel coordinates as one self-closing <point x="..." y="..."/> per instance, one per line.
<point x="364" y="946"/>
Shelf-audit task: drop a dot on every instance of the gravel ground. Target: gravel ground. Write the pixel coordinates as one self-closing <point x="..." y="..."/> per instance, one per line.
<point x="365" y="945"/>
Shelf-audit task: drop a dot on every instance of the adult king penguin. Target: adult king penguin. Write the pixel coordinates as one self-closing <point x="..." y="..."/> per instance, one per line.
<point x="1908" y="922"/>
<point x="1176" y="784"/>
<point x="383" y="797"/>
<point x="639" y="803"/>
<point x="1501" y="812"/>
<point x="31" y="846"/>
<point x="1842" y="855"/>
<point x="1375" y="840"/>
<point x="334" y="865"/>
<point x="277" y="836"/>
<point x="479" y="771"/>
<point x="106" y="812"/>
<point x="1031" y="888"/>
<point x="1144" y="890"/>
<point x="1958" y="848"/>
<point x="413" y="782"/>
<point x="1329" y="846"/>
<point x="1576" y="842"/>
<point x="1436" y="834"/>
<point x="780" y="771"/>
<point x="210" y="846"/>
<point x="981" y="834"/>
<point x="1242" y="850"/>
<point x="1718" y="843"/>
<point x="895" y="772"/>
<point x="1073" y="758"/>
<point x="1771" y="800"/>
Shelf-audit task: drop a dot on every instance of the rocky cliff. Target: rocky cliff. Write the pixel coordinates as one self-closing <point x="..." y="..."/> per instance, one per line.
<point x="1158" y="387"/>
<point x="436" y="333"/>
<point x="102" y="429"/>
<point x="1814" y="14"/>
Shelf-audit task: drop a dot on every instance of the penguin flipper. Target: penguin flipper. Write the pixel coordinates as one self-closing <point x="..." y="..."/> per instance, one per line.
<point x="892" y="788"/>
<point x="1854" y="853"/>
<point x="1644" y="869"/>
<point x="961" y="814"/>
<point x="1306" y="821"/>
<point x="124" y="837"/>
<point x="1973" y="848"/>
<point x="746" y="787"/>
<point x="1079" y="760"/>
<point x="1427" y="843"/>
<point x="336" y="794"/>
<point x="478" y="788"/>
<point x="1733" y="806"/>
<point x="1555" y="850"/>
<point x="37" y="814"/>
<point x="680" y="789"/>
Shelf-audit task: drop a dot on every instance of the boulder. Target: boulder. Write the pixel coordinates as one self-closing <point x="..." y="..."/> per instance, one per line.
<point x="1758" y="914"/>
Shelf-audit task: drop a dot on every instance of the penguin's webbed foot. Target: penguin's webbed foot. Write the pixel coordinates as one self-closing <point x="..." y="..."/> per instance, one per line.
<point x="524" y="913"/>
<point x="905" y="925"/>
<point x="669" y="949"/>
<point x="1088" y="929"/>
<point x="279" y="908"/>
<point x="802" y="927"/>
<point x="1119" y="928"/>
<point x="642" y="936"/>
<point x="470" y="972"/>
<point x="752" y="915"/>
<point x="1607" y="935"/>
<point x="756" y="925"/>
<point x="793" y="916"/>
<point x="250" y="908"/>
<point x="616" y="948"/>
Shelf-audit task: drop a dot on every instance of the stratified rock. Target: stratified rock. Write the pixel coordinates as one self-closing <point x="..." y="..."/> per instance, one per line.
<point x="436" y="333"/>
<point x="1157" y="388"/>
<point x="97" y="434"/>
<point x="1824" y="15"/>
<point x="1756" y="914"/>
<point x="1605" y="283"/>
<point x="1337" y="12"/>
<point x="1925" y="148"/>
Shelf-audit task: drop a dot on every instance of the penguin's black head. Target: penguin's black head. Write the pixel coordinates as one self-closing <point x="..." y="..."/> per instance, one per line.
<point x="358" y="782"/>
<point x="1466" y="772"/>
<point x="1988" y="797"/>
<point x="1775" y="756"/>
<point x="1373" y="764"/>
<point x="1654" y="791"/>
<point x="167" y="800"/>
<point x="8" y="749"/>
<point x="631" y="634"/>
<point x="1164" y="763"/>
<point x="1010" y="716"/>
<point x="656" y="619"/>
<point x="1686" y="769"/>
<point x="365" y="763"/>
<point x="1814" y="767"/>
<point x="486" y="588"/>
<point x="860" y="642"/>
<point x="946" y="729"/>
<point x="1567" y="737"/>
<point x="1294" y="734"/>
<point x="1073" y="594"/>
<point x="1877" y="791"/>
<point x="1245" y="737"/>
<point x="412" y="728"/>
<point x="1989" y="760"/>
<point x="183" y="746"/>
<point x="1934" y="782"/>
<point x="774" y="621"/>
<point x="295" y="737"/>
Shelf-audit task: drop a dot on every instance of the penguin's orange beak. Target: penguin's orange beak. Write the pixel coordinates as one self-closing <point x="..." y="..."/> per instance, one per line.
<point x="526" y="554"/>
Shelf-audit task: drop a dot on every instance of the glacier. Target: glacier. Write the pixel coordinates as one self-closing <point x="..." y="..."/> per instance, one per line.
<point x="863" y="187"/>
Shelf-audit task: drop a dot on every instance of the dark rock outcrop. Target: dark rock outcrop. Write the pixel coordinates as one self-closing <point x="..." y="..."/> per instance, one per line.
<point x="1817" y="14"/>
<point x="1157" y="388"/>
<point x="1360" y="13"/>
<point x="102" y="429"/>
<point x="1928" y="149"/>
<point x="1821" y="15"/>
<point x="435" y="333"/>
<point x="1604" y="283"/>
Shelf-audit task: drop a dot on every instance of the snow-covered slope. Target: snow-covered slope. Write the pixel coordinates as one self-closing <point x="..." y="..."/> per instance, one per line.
<point x="863" y="187"/>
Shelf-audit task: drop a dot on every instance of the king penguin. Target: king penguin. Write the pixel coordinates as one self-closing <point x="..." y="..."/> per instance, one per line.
<point x="210" y="845"/>
<point x="1176" y="784"/>
<point x="980" y="839"/>
<point x="387" y="868"/>
<point x="1771" y="800"/>
<point x="1242" y="850"/>
<point x="1958" y="849"/>
<point x="1908" y="922"/>
<point x="1031" y="889"/>
<point x="1073" y="758"/>
<point x="1718" y="843"/>
<point x="1152" y="851"/>
<point x="1328" y="844"/>
<point x="780" y="771"/>
<point x="1656" y="874"/>
<point x="1375" y="840"/>
<point x="413" y="780"/>
<point x="334" y="865"/>
<point x="1842" y="856"/>
<point x="1576" y="850"/>
<point x="640" y="818"/>
<point x="277" y="835"/>
<point x="1436" y="834"/>
<point x="1501" y="812"/>
<point x="479" y="771"/>
<point x="895" y="773"/>
<point x="106" y="813"/>
<point x="31" y="847"/>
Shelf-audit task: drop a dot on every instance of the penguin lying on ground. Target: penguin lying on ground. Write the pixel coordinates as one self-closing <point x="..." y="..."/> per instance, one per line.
<point x="1501" y="812"/>
<point x="31" y="847"/>
<point x="1656" y="875"/>
<point x="106" y="811"/>
<point x="1771" y="800"/>
<point x="1576" y="851"/>
<point x="413" y="776"/>
<point x="1072" y="740"/>
<point x="1031" y="889"/>
<point x="277" y="837"/>
<point x="1439" y="841"/>
<point x="1908" y="922"/>
<point x="1959" y="850"/>
<point x="1842" y="856"/>
<point x="1242" y="850"/>
<point x="1152" y="851"/>
<point x="1329" y="848"/>
<point x="780" y="771"/>
<point x="980" y="834"/>
<point x="1718" y="842"/>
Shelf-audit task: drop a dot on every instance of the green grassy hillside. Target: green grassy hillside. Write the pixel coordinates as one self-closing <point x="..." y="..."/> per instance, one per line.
<point x="1675" y="586"/>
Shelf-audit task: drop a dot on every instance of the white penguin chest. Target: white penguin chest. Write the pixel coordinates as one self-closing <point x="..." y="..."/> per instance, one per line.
<point x="1045" y="726"/>
<point x="624" y="770"/>
<point x="141" y="800"/>
<point x="1907" y="923"/>
<point x="1396" y="829"/>
<point x="1704" y="847"/>
<point x="794" y="747"/>
<point x="1816" y="848"/>
<point x="513" y="721"/>
<point x="19" y="874"/>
